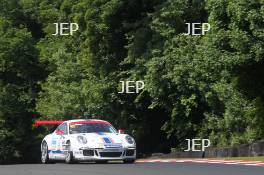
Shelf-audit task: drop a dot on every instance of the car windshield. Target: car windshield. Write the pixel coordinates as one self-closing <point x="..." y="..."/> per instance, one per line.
<point x="91" y="128"/>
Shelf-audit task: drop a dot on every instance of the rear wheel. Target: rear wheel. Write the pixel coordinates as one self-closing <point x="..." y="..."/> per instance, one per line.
<point x="69" y="157"/>
<point x="44" y="153"/>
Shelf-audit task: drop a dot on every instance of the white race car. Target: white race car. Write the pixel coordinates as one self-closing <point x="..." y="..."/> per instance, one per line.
<point x="87" y="140"/>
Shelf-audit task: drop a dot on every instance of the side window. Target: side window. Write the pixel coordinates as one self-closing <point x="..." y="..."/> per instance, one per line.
<point x="62" y="129"/>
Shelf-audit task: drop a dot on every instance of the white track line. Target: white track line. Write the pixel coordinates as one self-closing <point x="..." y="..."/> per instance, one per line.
<point x="212" y="161"/>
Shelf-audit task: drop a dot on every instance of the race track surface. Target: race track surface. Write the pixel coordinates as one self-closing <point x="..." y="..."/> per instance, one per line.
<point x="130" y="169"/>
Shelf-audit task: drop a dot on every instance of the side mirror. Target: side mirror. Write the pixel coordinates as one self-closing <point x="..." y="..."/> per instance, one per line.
<point x="121" y="131"/>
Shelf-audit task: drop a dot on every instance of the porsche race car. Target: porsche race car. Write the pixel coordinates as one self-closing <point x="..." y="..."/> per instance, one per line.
<point x="87" y="140"/>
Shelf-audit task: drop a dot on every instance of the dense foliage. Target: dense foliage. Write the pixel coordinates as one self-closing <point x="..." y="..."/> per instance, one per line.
<point x="208" y="86"/>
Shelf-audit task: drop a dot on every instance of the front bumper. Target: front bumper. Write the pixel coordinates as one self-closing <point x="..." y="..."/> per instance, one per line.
<point x="86" y="154"/>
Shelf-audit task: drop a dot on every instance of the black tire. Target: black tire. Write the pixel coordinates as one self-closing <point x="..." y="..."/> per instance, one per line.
<point x="44" y="153"/>
<point x="129" y="161"/>
<point x="69" y="159"/>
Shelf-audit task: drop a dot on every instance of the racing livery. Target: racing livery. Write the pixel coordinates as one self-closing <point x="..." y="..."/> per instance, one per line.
<point x="87" y="140"/>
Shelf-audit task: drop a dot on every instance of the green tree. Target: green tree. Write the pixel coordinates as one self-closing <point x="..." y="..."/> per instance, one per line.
<point x="20" y="72"/>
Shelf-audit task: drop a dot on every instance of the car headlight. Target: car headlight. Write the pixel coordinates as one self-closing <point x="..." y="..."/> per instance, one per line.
<point x="130" y="140"/>
<point x="82" y="139"/>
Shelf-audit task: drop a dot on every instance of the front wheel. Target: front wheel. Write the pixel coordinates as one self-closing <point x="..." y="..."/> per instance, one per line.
<point x="69" y="157"/>
<point x="129" y="161"/>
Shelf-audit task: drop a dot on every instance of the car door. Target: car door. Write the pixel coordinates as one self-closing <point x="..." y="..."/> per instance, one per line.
<point x="63" y="133"/>
<point x="58" y="141"/>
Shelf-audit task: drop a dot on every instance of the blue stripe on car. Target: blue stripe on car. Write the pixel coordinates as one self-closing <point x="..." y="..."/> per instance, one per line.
<point x="107" y="140"/>
<point x="56" y="152"/>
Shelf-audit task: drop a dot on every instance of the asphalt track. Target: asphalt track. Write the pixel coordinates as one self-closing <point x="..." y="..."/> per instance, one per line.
<point x="130" y="169"/>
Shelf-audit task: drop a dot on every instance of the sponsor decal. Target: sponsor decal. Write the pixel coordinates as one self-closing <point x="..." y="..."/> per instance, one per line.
<point x="53" y="141"/>
<point x="78" y="152"/>
<point x="72" y="126"/>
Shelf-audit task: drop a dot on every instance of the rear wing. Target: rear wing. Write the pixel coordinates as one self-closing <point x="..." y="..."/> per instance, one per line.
<point x="48" y="122"/>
